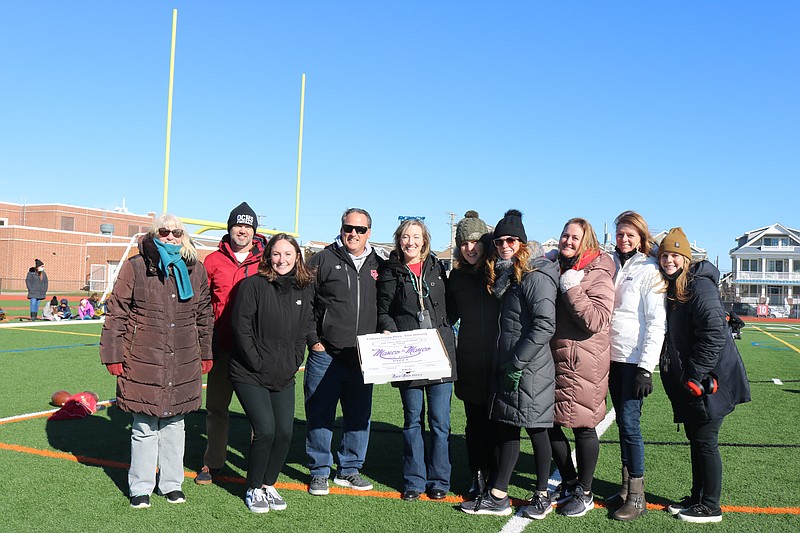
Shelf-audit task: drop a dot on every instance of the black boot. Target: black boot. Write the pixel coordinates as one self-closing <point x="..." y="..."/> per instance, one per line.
<point x="33" y="317"/>
<point x="478" y="485"/>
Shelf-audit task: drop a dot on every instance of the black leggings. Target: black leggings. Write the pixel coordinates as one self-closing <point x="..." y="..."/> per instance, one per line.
<point x="706" y="461"/>
<point x="480" y="436"/>
<point x="508" y="453"/>
<point x="271" y="415"/>
<point x="587" y="450"/>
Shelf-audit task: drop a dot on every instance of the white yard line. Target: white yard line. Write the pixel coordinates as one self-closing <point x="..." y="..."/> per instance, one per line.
<point x="518" y="523"/>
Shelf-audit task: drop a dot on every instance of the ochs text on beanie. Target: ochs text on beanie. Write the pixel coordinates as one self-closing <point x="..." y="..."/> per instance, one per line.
<point x="511" y="225"/>
<point x="243" y="214"/>
<point x="470" y="228"/>
<point x="675" y="242"/>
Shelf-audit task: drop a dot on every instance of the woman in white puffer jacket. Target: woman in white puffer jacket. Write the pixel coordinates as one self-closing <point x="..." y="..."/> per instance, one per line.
<point x="637" y="335"/>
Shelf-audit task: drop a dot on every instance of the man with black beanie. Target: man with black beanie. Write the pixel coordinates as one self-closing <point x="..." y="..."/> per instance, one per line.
<point x="237" y="258"/>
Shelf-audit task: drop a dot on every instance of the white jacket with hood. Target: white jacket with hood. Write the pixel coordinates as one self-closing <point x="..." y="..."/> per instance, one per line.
<point x="639" y="320"/>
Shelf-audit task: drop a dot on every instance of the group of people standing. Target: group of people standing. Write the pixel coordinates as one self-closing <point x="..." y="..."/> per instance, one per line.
<point x="541" y="341"/>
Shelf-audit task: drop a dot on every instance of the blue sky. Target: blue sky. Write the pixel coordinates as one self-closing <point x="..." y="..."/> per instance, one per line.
<point x="687" y="112"/>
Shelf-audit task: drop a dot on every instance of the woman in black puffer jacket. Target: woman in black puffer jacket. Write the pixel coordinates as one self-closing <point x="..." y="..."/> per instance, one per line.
<point x="701" y="369"/>
<point x="524" y="282"/>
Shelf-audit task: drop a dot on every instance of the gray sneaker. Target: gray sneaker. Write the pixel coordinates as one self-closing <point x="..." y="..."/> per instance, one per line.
<point x="580" y="503"/>
<point x="353" y="481"/>
<point x="256" y="500"/>
<point x="539" y="508"/>
<point x="318" y="486"/>
<point x="488" y="504"/>
<point x="276" y="503"/>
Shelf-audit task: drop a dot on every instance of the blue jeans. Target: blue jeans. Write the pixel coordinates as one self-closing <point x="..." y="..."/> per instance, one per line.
<point x="426" y="467"/>
<point x="328" y="381"/>
<point x="35" y="305"/>
<point x="628" y="408"/>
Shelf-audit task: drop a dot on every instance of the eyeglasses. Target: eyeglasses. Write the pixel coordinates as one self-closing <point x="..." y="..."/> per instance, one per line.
<point x="164" y="232"/>
<point x="361" y="230"/>
<point x="505" y="240"/>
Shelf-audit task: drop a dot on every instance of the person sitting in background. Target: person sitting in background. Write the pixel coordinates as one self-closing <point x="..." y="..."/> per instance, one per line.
<point x="85" y="310"/>
<point x="99" y="307"/>
<point x="63" y="311"/>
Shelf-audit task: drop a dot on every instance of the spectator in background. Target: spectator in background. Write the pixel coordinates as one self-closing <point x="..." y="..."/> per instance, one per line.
<point x="50" y="311"/>
<point x="64" y="312"/>
<point x="85" y="310"/>
<point x="99" y="308"/>
<point x="36" y="282"/>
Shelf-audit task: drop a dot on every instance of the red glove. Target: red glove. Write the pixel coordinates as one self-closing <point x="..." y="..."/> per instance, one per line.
<point x="207" y="364"/>
<point x="115" y="369"/>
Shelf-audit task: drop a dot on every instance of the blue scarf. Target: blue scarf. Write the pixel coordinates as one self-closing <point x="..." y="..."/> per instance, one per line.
<point x="170" y="254"/>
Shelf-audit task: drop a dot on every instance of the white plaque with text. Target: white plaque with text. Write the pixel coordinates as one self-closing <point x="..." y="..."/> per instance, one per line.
<point x="403" y="356"/>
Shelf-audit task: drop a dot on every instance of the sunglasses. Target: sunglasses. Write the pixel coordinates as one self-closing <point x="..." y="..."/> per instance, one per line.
<point x="177" y="233"/>
<point x="361" y="230"/>
<point x="505" y="240"/>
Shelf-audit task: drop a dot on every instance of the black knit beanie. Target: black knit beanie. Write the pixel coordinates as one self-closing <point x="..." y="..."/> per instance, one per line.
<point x="242" y="214"/>
<point x="38" y="263"/>
<point x="511" y="225"/>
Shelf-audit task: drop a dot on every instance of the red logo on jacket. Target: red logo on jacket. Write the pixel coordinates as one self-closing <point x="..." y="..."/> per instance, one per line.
<point x="374" y="274"/>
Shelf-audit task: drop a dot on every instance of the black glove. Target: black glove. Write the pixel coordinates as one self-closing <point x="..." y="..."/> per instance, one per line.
<point x="643" y="383"/>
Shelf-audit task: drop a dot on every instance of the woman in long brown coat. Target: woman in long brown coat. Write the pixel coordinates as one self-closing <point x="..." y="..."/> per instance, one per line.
<point x="157" y="341"/>
<point x="581" y="351"/>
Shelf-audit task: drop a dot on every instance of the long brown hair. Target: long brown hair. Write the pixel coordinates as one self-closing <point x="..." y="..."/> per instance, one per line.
<point x="520" y="260"/>
<point x="303" y="274"/>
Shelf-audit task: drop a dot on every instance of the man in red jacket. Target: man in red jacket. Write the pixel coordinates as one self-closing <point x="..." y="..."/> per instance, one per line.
<point x="237" y="258"/>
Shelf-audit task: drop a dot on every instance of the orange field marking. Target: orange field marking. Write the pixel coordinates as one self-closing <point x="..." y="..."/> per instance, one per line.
<point x="391" y="495"/>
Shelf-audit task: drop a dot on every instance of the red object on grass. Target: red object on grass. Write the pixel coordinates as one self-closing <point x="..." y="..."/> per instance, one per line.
<point x="77" y="406"/>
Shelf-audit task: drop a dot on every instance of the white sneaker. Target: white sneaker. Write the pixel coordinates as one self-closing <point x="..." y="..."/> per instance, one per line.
<point x="256" y="500"/>
<point x="276" y="503"/>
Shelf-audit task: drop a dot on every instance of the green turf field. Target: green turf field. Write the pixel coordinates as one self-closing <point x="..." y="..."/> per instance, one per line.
<point x="71" y="475"/>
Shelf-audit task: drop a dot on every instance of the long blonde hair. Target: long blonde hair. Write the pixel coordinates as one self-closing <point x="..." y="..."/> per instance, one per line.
<point x="188" y="251"/>
<point x="589" y="242"/>
<point x="682" y="292"/>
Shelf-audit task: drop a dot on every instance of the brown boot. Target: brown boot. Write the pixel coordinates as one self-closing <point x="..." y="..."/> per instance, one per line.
<point x="635" y="504"/>
<point x="617" y="500"/>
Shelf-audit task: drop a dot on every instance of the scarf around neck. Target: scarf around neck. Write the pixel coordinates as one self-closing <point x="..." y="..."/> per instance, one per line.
<point x="170" y="254"/>
<point x="503" y="281"/>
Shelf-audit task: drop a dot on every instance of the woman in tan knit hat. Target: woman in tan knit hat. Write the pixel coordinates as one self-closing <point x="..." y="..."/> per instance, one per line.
<point x="701" y="370"/>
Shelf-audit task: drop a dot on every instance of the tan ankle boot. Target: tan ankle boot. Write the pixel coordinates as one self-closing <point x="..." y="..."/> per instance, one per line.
<point x="635" y="504"/>
<point x="618" y="499"/>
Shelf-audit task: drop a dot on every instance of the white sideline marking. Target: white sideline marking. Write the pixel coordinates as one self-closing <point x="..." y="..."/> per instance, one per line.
<point x="776" y="381"/>
<point x="104" y="403"/>
<point x="518" y="523"/>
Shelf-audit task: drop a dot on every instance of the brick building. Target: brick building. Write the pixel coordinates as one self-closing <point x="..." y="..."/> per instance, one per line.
<point x="78" y="245"/>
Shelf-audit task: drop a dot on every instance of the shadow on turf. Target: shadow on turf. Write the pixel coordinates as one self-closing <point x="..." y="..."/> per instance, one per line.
<point x="96" y="437"/>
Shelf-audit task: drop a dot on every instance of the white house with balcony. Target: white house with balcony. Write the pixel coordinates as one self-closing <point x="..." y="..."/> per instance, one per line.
<point x="766" y="266"/>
